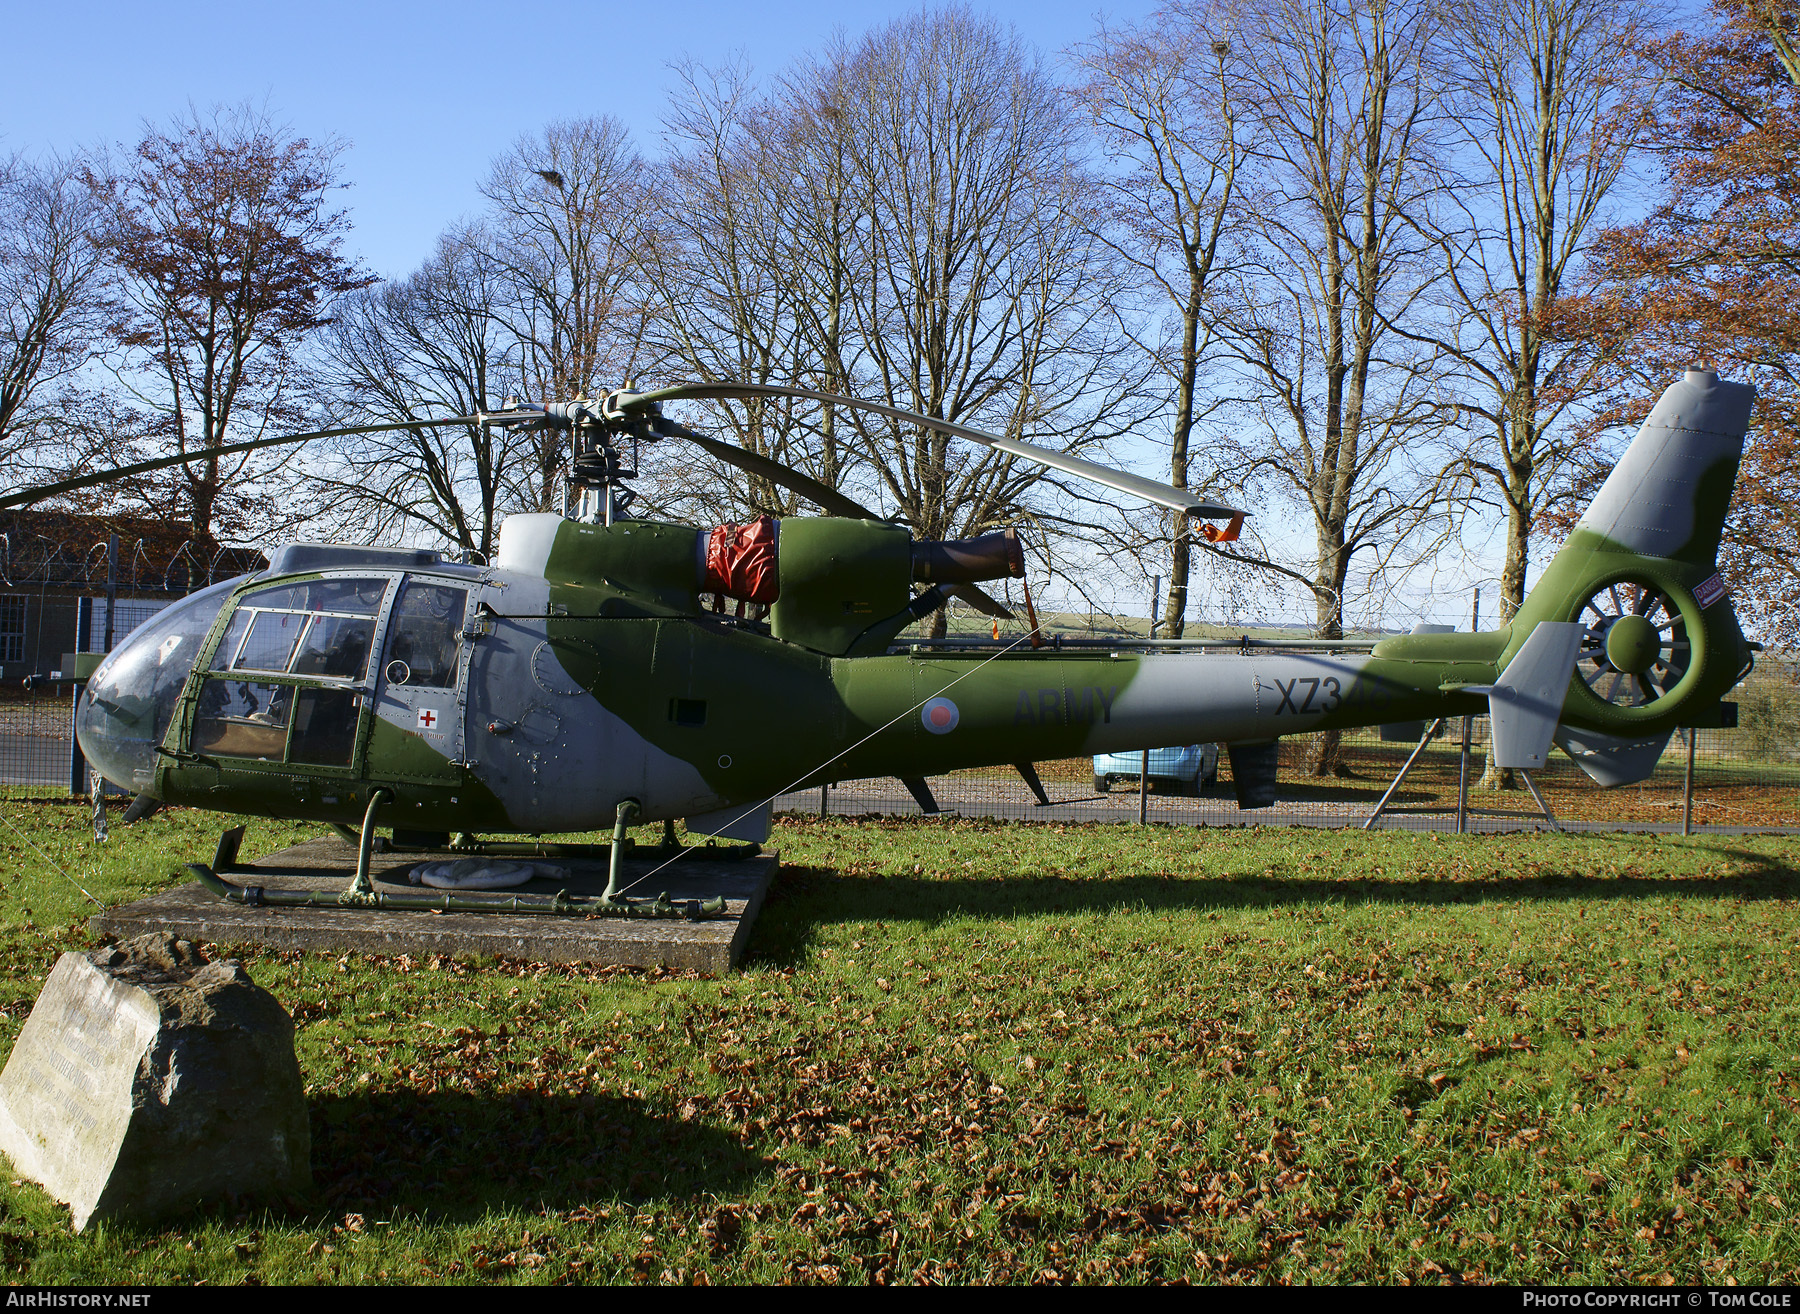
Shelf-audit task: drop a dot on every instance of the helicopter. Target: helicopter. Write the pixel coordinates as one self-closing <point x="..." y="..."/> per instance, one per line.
<point x="582" y="679"/>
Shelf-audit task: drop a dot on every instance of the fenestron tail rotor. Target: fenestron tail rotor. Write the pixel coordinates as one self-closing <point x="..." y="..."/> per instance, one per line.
<point x="1635" y="649"/>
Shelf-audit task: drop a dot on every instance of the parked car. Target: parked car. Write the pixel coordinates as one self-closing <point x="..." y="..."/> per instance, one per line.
<point x="1194" y="768"/>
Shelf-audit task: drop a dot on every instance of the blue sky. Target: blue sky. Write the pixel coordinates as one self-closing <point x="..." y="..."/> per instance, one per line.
<point x="425" y="94"/>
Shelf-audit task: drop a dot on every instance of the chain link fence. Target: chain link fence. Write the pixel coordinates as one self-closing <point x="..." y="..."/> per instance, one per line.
<point x="36" y="726"/>
<point x="1743" y="778"/>
<point x="63" y="591"/>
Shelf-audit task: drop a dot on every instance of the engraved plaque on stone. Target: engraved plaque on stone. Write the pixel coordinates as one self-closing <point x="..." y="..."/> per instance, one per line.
<point x="148" y="1079"/>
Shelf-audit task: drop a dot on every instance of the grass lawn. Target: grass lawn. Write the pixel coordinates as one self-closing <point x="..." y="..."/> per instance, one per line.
<point x="971" y="1051"/>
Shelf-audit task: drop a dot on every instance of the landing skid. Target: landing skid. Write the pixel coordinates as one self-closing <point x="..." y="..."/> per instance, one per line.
<point x="361" y="892"/>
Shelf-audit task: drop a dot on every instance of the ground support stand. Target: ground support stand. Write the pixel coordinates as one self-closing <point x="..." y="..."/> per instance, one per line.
<point x="1462" y="810"/>
<point x="638" y="933"/>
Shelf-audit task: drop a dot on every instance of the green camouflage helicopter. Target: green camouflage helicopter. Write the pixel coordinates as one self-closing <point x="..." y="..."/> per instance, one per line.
<point x="583" y="680"/>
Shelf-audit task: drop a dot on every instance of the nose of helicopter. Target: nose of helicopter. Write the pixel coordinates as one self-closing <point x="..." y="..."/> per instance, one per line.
<point x="127" y="705"/>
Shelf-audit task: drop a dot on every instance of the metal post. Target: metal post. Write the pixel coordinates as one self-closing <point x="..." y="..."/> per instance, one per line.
<point x="825" y="800"/>
<point x="78" y="769"/>
<point x="1687" y="788"/>
<point x="1462" y="766"/>
<point x="1462" y="779"/>
<point x="1144" y="789"/>
<point x="1543" y="806"/>
<point x="112" y="588"/>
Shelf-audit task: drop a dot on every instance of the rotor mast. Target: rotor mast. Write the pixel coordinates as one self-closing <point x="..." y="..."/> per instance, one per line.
<point x="603" y="452"/>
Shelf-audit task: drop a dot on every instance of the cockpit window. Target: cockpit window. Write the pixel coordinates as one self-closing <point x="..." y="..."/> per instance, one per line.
<point x="241" y="719"/>
<point x="335" y="646"/>
<point x="423" y="649"/>
<point x="273" y="636"/>
<point x="320" y="627"/>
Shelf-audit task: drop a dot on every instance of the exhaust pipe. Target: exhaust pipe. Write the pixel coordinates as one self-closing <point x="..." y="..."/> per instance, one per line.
<point x="998" y="555"/>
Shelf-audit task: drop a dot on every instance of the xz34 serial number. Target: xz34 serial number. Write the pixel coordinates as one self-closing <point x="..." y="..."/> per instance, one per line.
<point x="1312" y="695"/>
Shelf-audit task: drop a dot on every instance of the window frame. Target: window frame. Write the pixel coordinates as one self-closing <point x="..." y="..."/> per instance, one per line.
<point x="19" y="605"/>
<point x="362" y="686"/>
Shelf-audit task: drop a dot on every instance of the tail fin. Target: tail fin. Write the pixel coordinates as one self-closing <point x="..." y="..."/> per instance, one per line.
<point x="1668" y="494"/>
<point x="1661" y="644"/>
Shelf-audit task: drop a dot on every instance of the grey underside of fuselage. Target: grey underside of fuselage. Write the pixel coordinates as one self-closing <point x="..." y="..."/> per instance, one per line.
<point x="1188" y="698"/>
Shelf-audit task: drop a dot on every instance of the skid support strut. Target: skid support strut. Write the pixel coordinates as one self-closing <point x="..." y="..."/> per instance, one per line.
<point x="615" y="875"/>
<point x="1431" y="732"/>
<point x="363" y="893"/>
<point x="361" y="890"/>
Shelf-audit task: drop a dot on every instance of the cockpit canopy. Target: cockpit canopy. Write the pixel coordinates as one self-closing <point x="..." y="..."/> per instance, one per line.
<point x="289" y="679"/>
<point x="127" y="705"/>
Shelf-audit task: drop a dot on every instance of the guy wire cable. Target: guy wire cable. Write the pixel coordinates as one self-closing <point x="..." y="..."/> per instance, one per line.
<point x="835" y="756"/>
<point x="54" y="863"/>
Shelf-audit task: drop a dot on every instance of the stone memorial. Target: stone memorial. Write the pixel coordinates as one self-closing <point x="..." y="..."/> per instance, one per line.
<point x="149" y="1080"/>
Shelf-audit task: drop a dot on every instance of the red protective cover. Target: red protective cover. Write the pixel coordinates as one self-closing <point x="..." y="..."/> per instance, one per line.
<point x="740" y="561"/>
<point x="1229" y="534"/>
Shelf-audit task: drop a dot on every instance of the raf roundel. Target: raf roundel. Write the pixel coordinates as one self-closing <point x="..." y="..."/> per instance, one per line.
<point x="940" y="716"/>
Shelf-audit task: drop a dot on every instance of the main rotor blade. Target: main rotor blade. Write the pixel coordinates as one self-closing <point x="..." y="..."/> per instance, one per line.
<point x="29" y="495"/>
<point x="775" y="472"/>
<point x="1148" y="489"/>
<point x="983" y="602"/>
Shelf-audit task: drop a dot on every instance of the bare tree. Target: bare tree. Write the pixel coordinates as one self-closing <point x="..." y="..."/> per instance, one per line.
<point x="904" y="218"/>
<point x="736" y="267"/>
<point x="1347" y="102"/>
<point x="1551" y="103"/>
<point x="227" y="253"/>
<point x="979" y="293"/>
<point x="51" y="322"/>
<point x="1175" y="128"/>
<point x="569" y="207"/>
<point x="430" y="346"/>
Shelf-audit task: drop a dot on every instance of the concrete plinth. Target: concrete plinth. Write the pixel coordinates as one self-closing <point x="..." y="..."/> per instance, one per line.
<point x="712" y="946"/>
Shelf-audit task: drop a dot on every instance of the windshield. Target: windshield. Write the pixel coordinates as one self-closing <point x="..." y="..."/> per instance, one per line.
<point x="126" y="707"/>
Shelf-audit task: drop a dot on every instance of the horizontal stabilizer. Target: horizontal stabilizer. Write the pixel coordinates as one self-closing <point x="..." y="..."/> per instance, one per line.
<point x="1613" y="759"/>
<point x="1527" y="702"/>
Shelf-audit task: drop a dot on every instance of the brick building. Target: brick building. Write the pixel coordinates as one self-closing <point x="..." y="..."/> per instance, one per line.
<point x="50" y="561"/>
